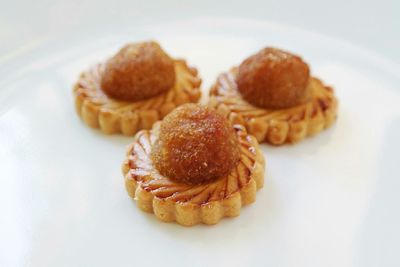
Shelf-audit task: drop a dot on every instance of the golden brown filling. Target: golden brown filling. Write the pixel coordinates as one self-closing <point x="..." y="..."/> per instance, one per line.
<point x="273" y="79"/>
<point x="137" y="72"/>
<point x="195" y="145"/>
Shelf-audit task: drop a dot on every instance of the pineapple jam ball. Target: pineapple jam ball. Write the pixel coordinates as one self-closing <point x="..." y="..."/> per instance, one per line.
<point x="138" y="71"/>
<point x="273" y="79"/>
<point x="195" y="145"/>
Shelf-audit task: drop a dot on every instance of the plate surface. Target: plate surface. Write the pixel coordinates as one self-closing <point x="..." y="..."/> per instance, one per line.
<point x="330" y="200"/>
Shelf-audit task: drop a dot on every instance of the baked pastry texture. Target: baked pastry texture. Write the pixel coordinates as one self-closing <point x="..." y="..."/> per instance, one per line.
<point x="135" y="88"/>
<point x="273" y="95"/>
<point x="193" y="167"/>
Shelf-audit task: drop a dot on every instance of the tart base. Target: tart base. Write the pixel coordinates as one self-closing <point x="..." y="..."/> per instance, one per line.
<point x="168" y="208"/>
<point x="112" y="116"/>
<point x="278" y="126"/>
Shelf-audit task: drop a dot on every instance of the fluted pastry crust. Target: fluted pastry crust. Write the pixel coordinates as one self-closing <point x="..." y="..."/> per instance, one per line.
<point x="114" y="116"/>
<point x="192" y="204"/>
<point x="278" y="126"/>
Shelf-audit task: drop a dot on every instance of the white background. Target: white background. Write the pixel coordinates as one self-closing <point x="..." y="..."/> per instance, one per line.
<point x="337" y="204"/>
<point x="371" y="24"/>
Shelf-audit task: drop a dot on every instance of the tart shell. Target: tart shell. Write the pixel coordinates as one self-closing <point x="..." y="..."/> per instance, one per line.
<point x="192" y="204"/>
<point x="279" y="126"/>
<point x="114" y="116"/>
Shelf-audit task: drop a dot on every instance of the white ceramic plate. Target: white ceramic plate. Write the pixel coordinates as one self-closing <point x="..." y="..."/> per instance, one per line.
<point x="331" y="200"/>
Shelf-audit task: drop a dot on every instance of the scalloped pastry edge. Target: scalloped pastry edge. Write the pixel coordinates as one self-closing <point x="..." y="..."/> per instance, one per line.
<point x="110" y="121"/>
<point x="278" y="131"/>
<point x="189" y="214"/>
